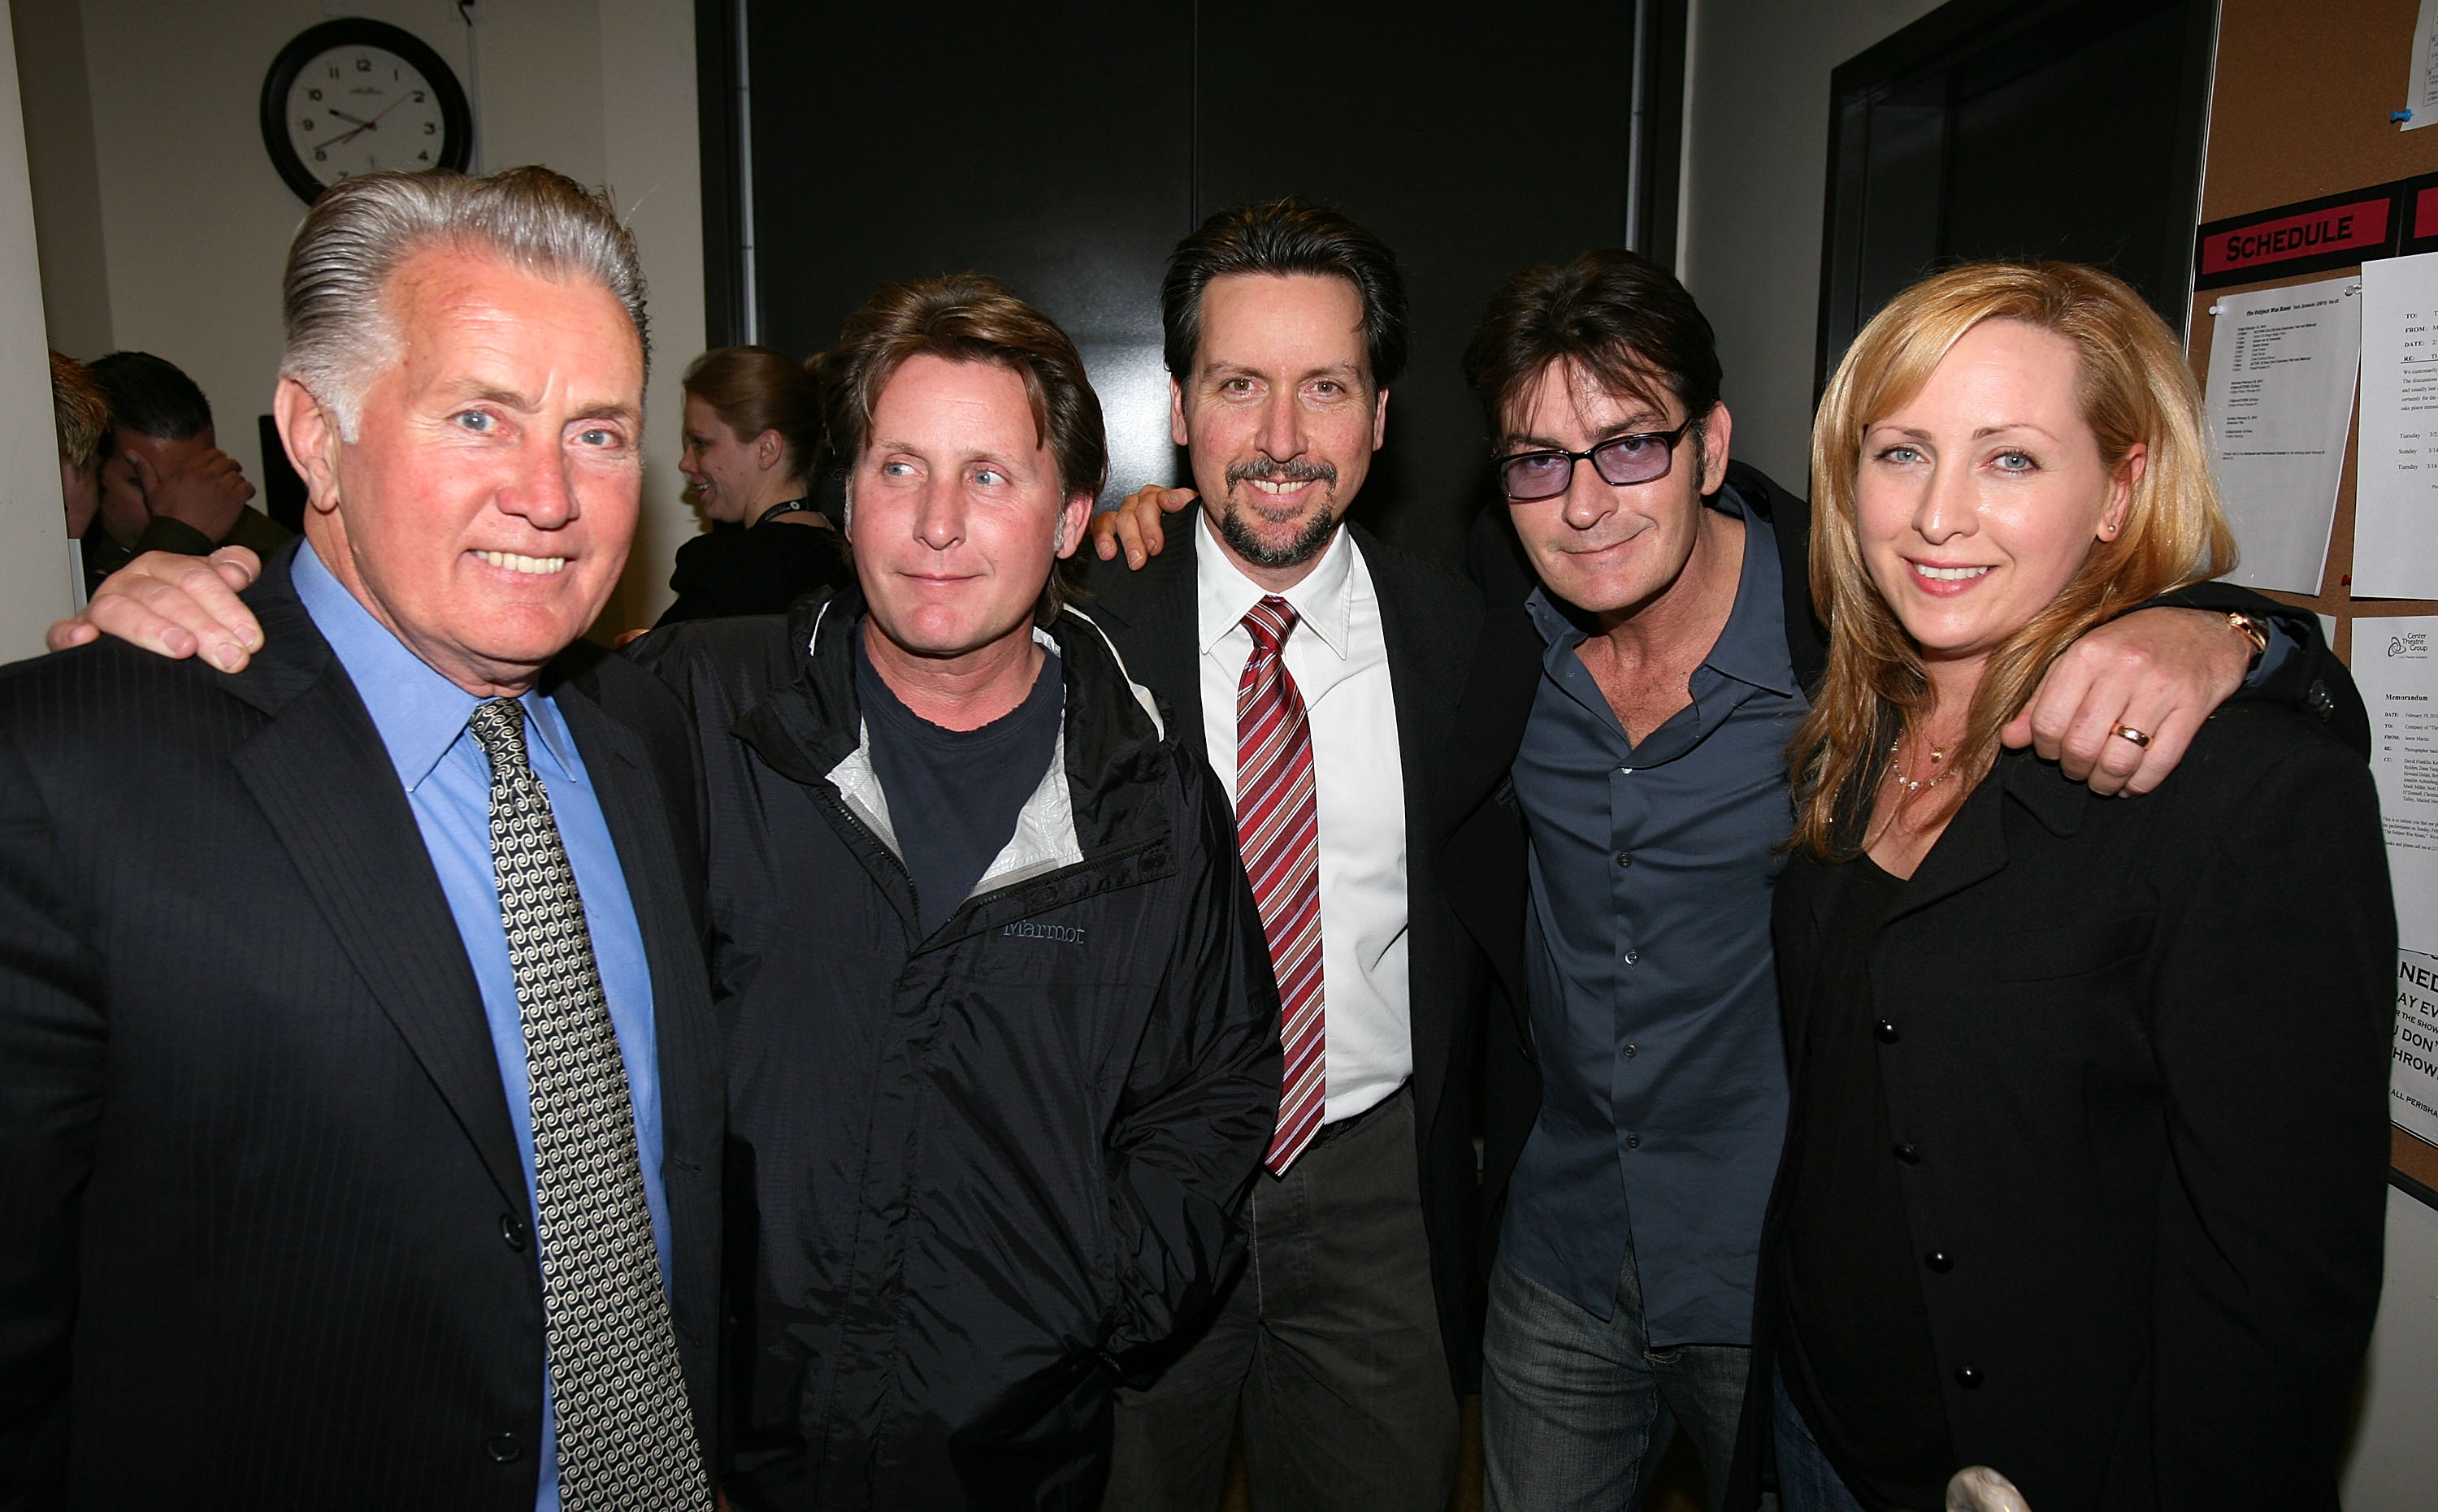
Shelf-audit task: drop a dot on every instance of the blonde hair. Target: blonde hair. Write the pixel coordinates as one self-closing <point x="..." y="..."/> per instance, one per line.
<point x="2134" y="389"/>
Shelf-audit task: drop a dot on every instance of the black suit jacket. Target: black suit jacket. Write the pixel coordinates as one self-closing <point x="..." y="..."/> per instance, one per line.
<point x="2134" y="1057"/>
<point x="1430" y="618"/>
<point x="263" y="1217"/>
<point x="1483" y="849"/>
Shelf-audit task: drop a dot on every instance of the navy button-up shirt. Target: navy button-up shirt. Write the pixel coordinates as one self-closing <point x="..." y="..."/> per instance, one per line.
<point x="1654" y="992"/>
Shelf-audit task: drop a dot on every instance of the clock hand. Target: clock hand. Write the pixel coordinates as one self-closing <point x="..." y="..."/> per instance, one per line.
<point x="345" y="116"/>
<point x="376" y="120"/>
<point x="349" y="136"/>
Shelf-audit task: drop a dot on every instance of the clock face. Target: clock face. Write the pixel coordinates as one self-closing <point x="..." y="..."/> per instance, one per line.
<point x="361" y="109"/>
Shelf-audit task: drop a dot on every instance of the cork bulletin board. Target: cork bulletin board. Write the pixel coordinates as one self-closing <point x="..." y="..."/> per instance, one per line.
<point x="2300" y="113"/>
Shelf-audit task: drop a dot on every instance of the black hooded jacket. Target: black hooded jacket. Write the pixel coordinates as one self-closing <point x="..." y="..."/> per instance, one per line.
<point x="970" y="1171"/>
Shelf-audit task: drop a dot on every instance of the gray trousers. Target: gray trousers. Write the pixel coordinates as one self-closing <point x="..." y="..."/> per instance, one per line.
<point x="1327" y="1343"/>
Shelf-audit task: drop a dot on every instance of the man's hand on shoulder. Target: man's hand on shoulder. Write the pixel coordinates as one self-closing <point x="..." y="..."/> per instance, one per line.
<point x="1135" y="526"/>
<point x="174" y="607"/>
<point x="2157" y="673"/>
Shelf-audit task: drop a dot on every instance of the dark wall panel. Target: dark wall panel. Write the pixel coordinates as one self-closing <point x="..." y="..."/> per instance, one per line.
<point x="1047" y="145"/>
<point x="1477" y="140"/>
<point x="1065" y="146"/>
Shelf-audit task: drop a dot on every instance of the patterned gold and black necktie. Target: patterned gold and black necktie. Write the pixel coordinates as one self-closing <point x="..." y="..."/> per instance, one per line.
<point x="626" y="1436"/>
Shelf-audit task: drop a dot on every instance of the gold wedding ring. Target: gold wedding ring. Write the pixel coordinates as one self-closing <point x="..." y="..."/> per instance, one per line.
<point x="2128" y="732"/>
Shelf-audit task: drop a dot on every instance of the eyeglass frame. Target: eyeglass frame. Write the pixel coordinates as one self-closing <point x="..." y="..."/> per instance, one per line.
<point x="1671" y="437"/>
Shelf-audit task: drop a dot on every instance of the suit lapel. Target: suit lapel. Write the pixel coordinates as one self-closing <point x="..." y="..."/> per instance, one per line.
<point x="326" y="787"/>
<point x="1422" y="656"/>
<point x="638" y="828"/>
<point x="1971" y="850"/>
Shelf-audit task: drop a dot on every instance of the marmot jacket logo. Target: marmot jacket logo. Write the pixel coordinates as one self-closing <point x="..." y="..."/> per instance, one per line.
<point x="1027" y="929"/>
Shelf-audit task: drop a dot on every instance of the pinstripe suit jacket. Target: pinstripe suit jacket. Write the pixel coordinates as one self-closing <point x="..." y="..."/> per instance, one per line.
<point x="261" y="1209"/>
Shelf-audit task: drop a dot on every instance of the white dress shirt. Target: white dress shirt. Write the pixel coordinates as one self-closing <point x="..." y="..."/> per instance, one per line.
<point x="1339" y="659"/>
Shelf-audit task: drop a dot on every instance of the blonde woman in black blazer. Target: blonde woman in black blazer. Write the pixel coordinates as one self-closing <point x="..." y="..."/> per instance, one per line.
<point x="2084" y="1175"/>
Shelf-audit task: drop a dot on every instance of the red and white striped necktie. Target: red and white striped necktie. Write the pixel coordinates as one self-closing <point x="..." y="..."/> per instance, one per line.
<point x="1278" y="828"/>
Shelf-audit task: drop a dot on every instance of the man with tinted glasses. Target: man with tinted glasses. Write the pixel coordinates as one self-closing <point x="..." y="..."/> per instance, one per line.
<point x="1620" y="797"/>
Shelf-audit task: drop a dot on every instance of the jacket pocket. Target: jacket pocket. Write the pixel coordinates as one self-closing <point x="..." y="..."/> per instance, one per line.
<point x="2046" y="955"/>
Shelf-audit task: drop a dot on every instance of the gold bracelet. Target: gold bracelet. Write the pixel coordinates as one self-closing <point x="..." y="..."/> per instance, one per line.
<point x="2252" y="630"/>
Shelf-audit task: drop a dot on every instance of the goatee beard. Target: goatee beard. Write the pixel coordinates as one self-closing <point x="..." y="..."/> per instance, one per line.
<point x="1308" y="542"/>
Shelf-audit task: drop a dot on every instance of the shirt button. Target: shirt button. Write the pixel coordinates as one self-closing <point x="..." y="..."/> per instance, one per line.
<point x="1968" y="1378"/>
<point x="1633" y="1141"/>
<point x="503" y="1447"/>
<point x="1632" y="956"/>
<point x="512" y="1231"/>
<point x="1623" y="859"/>
<point x="1908" y="1154"/>
<point x="1630" y="1051"/>
<point x="1886" y="1032"/>
<point x="1939" y="1261"/>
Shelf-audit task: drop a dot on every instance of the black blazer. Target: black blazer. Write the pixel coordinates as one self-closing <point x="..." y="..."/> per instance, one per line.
<point x="263" y="1237"/>
<point x="1430" y="618"/>
<point x="2135" y="1064"/>
<point x="1482" y="851"/>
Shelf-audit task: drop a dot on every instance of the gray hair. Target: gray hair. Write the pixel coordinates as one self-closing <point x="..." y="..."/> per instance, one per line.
<point x="334" y="294"/>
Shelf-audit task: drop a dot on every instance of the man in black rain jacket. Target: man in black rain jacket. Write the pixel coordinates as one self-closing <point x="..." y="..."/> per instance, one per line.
<point x="988" y="1134"/>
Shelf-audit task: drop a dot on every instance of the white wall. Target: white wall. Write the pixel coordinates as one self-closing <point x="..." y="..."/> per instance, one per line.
<point x="2392" y="1466"/>
<point x="193" y="221"/>
<point x="1756" y="178"/>
<point x="35" y="585"/>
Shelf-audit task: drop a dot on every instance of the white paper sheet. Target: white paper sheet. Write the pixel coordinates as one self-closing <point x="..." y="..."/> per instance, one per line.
<point x="2395" y="665"/>
<point x="2421" y="85"/>
<point x="2281" y="399"/>
<point x="2395" y="489"/>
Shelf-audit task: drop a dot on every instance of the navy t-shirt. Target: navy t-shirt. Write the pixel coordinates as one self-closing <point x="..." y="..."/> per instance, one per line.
<point x="954" y="795"/>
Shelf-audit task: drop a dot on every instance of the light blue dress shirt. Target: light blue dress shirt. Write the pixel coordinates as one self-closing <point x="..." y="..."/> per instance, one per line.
<point x="421" y="717"/>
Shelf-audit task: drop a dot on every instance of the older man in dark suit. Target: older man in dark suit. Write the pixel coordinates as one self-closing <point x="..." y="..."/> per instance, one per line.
<point x="358" y="1093"/>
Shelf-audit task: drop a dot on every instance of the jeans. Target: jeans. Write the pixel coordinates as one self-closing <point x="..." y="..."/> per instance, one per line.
<point x="1806" y="1481"/>
<point x="1327" y="1344"/>
<point x="1577" y="1413"/>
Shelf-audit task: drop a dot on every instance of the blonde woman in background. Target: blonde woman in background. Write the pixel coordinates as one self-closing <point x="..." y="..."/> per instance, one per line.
<point x="2083" y="1178"/>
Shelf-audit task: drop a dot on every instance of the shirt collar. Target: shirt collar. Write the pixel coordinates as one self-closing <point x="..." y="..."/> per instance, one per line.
<point x="418" y="713"/>
<point x="1324" y="601"/>
<point x="1751" y="647"/>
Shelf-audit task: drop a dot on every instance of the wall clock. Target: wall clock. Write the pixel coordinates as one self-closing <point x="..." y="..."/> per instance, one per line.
<point x="356" y="97"/>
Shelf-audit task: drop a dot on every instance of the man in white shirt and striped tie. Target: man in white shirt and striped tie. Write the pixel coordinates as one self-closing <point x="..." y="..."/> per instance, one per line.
<point x="1318" y="666"/>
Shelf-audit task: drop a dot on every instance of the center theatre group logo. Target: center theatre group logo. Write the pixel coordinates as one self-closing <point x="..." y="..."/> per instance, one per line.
<point x="1060" y="934"/>
<point x="2415" y="645"/>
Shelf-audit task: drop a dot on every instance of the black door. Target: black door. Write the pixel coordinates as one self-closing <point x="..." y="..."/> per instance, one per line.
<point x="2065" y="129"/>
